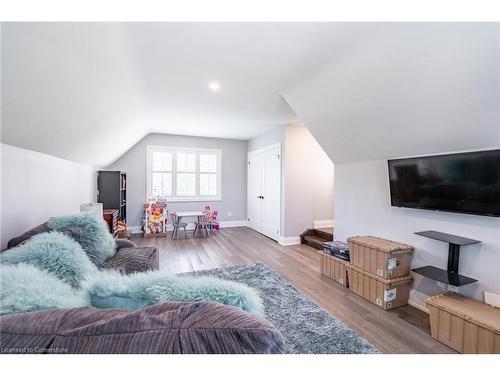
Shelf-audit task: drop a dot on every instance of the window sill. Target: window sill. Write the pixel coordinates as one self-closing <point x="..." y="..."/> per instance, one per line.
<point x="186" y="200"/>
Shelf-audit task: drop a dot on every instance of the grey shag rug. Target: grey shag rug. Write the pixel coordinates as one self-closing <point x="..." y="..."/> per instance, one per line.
<point x="306" y="327"/>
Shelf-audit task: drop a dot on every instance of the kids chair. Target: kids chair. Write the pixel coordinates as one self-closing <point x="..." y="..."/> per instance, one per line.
<point x="177" y="223"/>
<point x="204" y="224"/>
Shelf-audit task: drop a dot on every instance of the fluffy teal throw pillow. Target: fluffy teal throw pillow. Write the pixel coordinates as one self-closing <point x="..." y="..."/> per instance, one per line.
<point x="112" y="290"/>
<point x="26" y="288"/>
<point x="55" y="253"/>
<point x="91" y="232"/>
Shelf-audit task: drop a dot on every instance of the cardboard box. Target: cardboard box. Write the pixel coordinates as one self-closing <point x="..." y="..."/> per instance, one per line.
<point x="387" y="294"/>
<point x="464" y="324"/>
<point x="380" y="257"/>
<point x="334" y="268"/>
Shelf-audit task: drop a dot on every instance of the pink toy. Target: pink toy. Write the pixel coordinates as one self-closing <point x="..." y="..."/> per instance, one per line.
<point x="213" y="225"/>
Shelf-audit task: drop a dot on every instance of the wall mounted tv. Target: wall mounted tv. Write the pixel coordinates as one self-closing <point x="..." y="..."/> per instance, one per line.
<point x="466" y="182"/>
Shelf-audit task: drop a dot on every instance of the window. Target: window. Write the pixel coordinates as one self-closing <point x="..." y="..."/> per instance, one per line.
<point x="161" y="174"/>
<point x="183" y="174"/>
<point x="208" y="174"/>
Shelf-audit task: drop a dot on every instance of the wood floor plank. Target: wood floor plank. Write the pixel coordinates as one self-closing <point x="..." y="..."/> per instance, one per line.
<point x="403" y="330"/>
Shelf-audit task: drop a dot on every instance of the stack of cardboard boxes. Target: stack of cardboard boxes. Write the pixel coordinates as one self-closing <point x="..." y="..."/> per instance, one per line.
<point x="378" y="270"/>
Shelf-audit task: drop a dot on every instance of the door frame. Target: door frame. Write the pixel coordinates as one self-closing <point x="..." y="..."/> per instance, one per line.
<point x="278" y="147"/>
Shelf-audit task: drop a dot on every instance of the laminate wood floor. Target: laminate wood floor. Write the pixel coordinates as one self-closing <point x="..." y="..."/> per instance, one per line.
<point x="403" y="330"/>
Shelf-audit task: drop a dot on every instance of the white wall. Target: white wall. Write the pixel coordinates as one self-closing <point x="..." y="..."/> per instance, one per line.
<point x="307" y="178"/>
<point x="276" y="135"/>
<point x="308" y="181"/>
<point x="36" y="186"/>
<point x="233" y="205"/>
<point x="362" y="207"/>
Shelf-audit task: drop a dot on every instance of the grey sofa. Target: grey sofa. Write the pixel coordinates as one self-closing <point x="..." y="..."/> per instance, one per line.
<point x="164" y="328"/>
<point x="128" y="258"/>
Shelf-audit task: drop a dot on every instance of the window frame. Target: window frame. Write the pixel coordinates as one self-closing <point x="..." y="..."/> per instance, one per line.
<point x="174" y="198"/>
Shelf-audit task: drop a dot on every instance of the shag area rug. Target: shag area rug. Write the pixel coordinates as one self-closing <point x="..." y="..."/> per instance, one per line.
<point x="306" y="327"/>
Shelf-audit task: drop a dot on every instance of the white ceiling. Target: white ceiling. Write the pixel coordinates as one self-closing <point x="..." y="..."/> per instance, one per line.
<point x="88" y="92"/>
<point x="406" y="90"/>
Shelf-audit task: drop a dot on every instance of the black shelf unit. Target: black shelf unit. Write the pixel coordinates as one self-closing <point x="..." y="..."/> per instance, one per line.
<point x="450" y="275"/>
<point x="112" y="191"/>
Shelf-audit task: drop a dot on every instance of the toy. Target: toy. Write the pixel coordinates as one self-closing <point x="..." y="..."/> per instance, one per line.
<point x="211" y="216"/>
<point x="155" y="219"/>
<point x="121" y="225"/>
<point x="122" y="229"/>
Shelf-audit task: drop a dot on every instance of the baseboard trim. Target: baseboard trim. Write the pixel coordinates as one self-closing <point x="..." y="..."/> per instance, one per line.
<point x="190" y="226"/>
<point x="492" y="299"/>
<point x="417" y="300"/>
<point x="289" y="241"/>
<point x="232" y="224"/>
<point x="323" y="223"/>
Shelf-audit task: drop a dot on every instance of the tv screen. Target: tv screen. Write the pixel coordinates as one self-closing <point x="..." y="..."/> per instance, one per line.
<point x="467" y="182"/>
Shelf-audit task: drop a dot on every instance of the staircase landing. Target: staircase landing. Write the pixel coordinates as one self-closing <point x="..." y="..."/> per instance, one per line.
<point x="316" y="237"/>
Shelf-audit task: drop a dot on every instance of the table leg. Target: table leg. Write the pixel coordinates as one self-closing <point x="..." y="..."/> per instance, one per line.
<point x="180" y="224"/>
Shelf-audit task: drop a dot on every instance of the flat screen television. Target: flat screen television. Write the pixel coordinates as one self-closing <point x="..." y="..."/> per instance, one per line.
<point x="466" y="182"/>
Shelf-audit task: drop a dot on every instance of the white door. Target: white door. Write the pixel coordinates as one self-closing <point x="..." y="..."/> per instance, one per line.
<point x="271" y="196"/>
<point x="264" y="191"/>
<point x="255" y="187"/>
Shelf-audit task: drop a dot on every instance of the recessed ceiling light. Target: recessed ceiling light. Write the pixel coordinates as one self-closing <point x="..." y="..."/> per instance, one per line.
<point x="214" y="86"/>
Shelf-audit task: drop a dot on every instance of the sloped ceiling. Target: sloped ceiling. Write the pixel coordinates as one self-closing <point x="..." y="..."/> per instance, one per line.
<point x="88" y="92"/>
<point x="405" y="90"/>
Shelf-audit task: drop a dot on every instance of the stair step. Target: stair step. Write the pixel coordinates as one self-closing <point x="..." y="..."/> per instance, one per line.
<point x="328" y="230"/>
<point x="314" y="241"/>
<point x="317" y="237"/>
<point x="328" y="236"/>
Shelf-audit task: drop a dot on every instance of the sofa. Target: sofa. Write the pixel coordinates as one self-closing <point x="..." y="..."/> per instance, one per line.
<point x="162" y="328"/>
<point x="128" y="257"/>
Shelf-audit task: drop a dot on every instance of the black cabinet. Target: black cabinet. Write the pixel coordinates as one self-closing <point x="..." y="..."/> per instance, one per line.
<point x="112" y="191"/>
